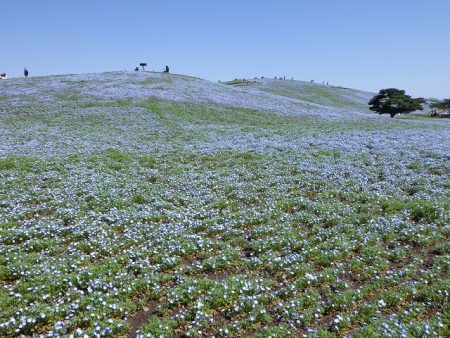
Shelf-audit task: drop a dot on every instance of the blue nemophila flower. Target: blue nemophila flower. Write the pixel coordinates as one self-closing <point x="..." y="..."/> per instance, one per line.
<point x="207" y="202"/>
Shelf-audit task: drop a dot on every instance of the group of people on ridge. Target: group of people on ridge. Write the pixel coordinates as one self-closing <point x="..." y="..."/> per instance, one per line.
<point x="165" y="71"/>
<point x="3" y="76"/>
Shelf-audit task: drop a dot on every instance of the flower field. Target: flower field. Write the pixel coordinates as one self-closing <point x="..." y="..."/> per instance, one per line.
<point x="149" y="205"/>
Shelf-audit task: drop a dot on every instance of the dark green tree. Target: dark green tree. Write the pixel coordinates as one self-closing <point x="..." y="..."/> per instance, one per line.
<point x="442" y="105"/>
<point x="394" y="101"/>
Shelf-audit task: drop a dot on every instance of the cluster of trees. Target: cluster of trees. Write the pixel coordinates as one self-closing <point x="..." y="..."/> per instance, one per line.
<point x="394" y="101"/>
<point x="441" y="105"/>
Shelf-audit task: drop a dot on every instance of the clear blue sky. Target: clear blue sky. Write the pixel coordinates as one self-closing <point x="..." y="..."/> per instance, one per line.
<point x="365" y="44"/>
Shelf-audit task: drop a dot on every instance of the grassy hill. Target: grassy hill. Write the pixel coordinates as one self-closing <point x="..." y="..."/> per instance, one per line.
<point x="144" y="204"/>
<point x="329" y="96"/>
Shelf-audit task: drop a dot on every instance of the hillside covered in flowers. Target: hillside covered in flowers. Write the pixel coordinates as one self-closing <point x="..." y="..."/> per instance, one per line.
<point x="155" y="205"/>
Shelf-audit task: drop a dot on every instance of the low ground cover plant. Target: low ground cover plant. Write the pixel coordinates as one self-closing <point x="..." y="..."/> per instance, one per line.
<point x="153" y="207"/>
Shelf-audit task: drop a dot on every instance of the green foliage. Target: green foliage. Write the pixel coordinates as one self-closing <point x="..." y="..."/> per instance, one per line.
<point x="424" y="210"/>
<point x="15" y="163"/>
<point x="159" y="327"/>
<point x="394" y="101"/>
<point x="442" y="105"/>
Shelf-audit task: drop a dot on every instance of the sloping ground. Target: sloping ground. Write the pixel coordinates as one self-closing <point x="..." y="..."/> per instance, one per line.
<point x="153" y="205"/>
<point x="139" y="85"/>
<point x="328" y="96"/>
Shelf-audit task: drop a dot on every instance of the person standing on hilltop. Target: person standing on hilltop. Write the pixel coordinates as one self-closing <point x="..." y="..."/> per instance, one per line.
<point x="25" y="72"/>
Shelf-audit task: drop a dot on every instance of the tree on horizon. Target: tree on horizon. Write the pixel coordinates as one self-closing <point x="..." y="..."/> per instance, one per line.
<point x="394" y="101"/>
